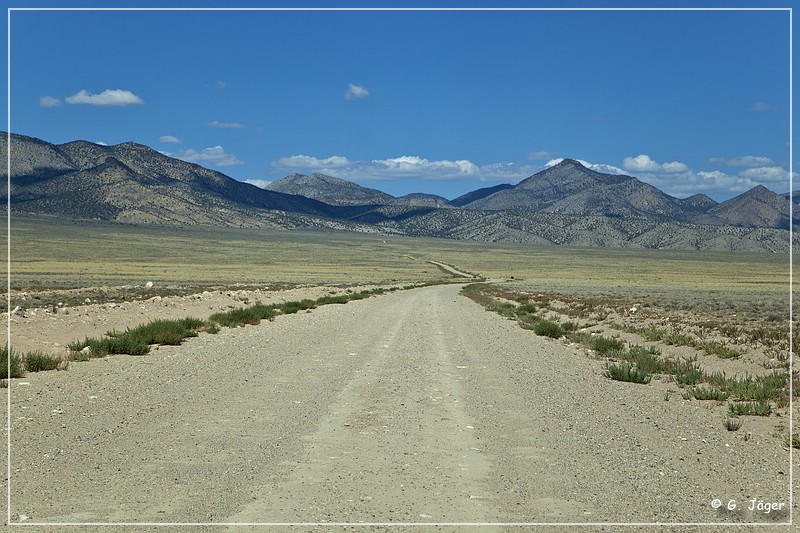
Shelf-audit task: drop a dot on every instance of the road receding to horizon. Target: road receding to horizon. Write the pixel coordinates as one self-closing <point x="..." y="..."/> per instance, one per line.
<point x="413" y="407"/>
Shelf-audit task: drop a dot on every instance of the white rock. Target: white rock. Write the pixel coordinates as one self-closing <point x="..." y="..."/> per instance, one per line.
<point x="148" y="284"/>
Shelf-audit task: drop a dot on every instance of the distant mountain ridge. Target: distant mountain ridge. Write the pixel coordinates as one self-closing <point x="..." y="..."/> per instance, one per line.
<point x="564" y="204"/>
<point x="333" y="191"/>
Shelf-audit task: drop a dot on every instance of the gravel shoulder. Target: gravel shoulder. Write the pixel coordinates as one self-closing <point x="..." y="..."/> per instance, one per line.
<point x="412" y="407"/>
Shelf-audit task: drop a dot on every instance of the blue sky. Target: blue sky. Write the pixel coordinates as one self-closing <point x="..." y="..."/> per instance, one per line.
<point x="419" y="101"/>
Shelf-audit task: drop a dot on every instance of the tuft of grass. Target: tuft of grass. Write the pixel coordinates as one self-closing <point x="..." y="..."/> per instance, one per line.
<point x="652" y="333"/>
<point x="794" y="441"/>
<point x="606" y="345"/>
<point x="627" y="372"/>
<point x="705" y="393"/>
<point x="760" y="408"/>
<point x="548" y="328"/>
<point x="720" y="349"/>
<point x="9" y="357"/>
<point x="39" y="361"/>
<point x="769" y="387"/>
<point x="732" y="423"/>
<point x="691" y="376"/>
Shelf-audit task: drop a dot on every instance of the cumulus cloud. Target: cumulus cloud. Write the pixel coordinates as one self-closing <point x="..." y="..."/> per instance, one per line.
<point x="312" y="163"/>
<point x="214" y="156"/>
<point x="49" y="101"/>
<point x="169" y="139"/>
<point x="258" y="183"/>
<point x="597" y="167"/>
<point x="742" y="161"/>
<point x="355" y="92"/>
<point x="225" y="125"/>
<point x="109" y="97"/>
<point x="643" y="163"/>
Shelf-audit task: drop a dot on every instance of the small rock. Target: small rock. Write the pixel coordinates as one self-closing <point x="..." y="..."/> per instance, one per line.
<point x="87" y="301"/>
<point x="149" y="284"/>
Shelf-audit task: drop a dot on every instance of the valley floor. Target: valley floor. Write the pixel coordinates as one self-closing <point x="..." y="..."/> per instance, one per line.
<point x="416" y="407"/>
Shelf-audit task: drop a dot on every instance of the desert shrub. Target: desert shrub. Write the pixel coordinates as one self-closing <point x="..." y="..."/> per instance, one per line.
<point x="570" y="326"/>
<point x="39" y="361"/>
<point x="525" y="309"/>
<point x="627" y="372"/>
<point x="244" y="315"/>
<point x="548" y="328"/>
<point x="325" y="300"/>
<point x="580" y="337"/>
<point x="606" y="345"/>
<point x="690" y="376"/>
<point x="9" y="358"/>
<point x="289" y="308"/>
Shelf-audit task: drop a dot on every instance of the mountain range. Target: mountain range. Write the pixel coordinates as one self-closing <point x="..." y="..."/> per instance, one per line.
<point x="564" y="204"/>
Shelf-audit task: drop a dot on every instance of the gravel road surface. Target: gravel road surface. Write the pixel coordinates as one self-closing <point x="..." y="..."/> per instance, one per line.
<point x="412" y="407"/>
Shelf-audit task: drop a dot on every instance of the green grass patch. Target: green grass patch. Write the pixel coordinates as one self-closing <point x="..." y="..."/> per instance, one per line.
<point x="720" y="349"/>
<point x="289" y="308"/>
<point x="606" y="345"/>
<point x="760" y="408"/>
<point x="325" y="300"/>
<point x="40" y="361"/>
<point x="9" y="358"/>
<point x="627" y="372"/>
<point x="706" y="393"/>
<point x="548" y="328"/>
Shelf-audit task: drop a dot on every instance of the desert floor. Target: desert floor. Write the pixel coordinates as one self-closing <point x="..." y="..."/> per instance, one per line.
<point x="416" y="407"/>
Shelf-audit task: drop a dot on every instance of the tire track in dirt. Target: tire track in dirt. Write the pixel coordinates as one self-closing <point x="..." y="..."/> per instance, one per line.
<point x="400" y="421"/>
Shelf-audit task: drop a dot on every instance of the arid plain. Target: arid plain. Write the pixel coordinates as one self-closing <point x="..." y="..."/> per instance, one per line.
<point x="414" y="406"/>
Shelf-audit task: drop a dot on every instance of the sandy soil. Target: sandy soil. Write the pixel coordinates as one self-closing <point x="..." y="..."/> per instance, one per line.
<point x="415" y="407"/>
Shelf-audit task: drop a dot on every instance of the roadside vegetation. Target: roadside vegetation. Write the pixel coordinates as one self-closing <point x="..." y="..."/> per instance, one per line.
<point x="570" y="318"/>
<point x="138" y="340"/>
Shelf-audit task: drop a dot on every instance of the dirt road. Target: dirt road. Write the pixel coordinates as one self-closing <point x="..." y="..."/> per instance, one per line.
<point x="413" y="407"/>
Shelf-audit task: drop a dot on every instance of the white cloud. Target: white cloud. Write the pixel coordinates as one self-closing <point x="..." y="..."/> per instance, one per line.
<point x="742" y="161"/>
<point x="772" y="174"/>
<point x="312" y="163"/>
<point x="355" y="92"/>
<point x="640" y="163"/>
<point x="169" y="139"/>
<point x="403" y="167"/>
<point x="597" y="167"/>
<point x="643" y="163"/>
<point x="258" y="183"/>
<point x="109" y="97"/>
<point x="49" y="101"/>
<point x="225" y="125"/>
<point x="215" y="156"/>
